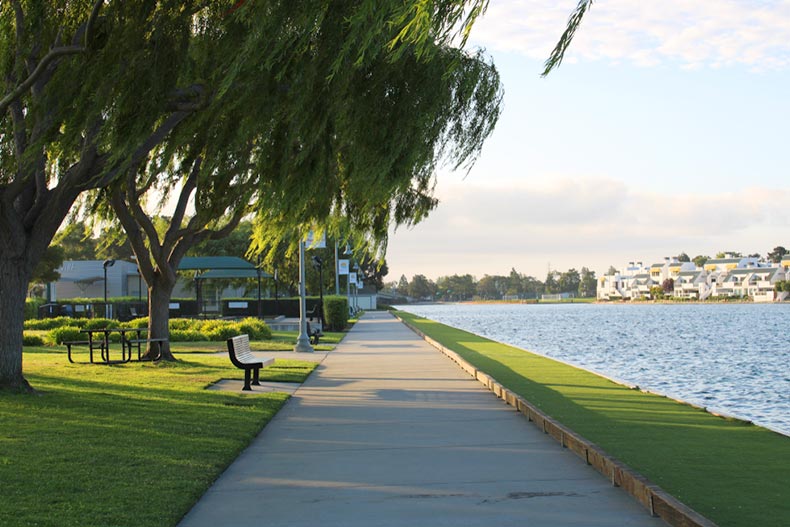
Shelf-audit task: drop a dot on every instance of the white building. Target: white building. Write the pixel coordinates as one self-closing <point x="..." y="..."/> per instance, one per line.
<point x="727" y="277"/>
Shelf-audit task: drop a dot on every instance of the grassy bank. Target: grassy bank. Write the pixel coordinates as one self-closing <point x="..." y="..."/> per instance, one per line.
<point x="131" y="444"/>
<point x="732" y="472"/>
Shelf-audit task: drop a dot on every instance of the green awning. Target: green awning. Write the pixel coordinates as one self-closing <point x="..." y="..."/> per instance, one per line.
<point x="220" y="267"/>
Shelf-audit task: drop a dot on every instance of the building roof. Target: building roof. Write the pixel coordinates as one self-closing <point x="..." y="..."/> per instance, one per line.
<point x="232" y="273"/>
<point x="690" y="273"/>
<point x="189" y="263"/>
<point x="714" y="261"/>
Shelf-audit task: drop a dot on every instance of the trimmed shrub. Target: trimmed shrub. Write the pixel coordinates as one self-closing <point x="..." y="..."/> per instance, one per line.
<point x="336" y="312"/>
<point x="182" y="324"/>
<point x="223" y="332"/>
<point x="32" y="340"/>
<point x="57" y="322"/>
<point x="101" y="323"/>
<point x="186" y="335"/>
<point x="62" y="334"/>
<point x="31" y="308"/>
<point x="137" y="323"/>
<point x="256" y="329"/>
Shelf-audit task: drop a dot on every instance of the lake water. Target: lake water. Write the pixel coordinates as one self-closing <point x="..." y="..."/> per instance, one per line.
<point x="732" y="359"/>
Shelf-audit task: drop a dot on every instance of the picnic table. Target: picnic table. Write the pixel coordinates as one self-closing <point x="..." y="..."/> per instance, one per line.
<point x="100" y="339"/>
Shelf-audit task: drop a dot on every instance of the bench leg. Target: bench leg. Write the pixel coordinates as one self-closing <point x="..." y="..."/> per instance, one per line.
<point x="255" y="373"/>
<point x="247" y="381"/>
<point x="68" y="347"/>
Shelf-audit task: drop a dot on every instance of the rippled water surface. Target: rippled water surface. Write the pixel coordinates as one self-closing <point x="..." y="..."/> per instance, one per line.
<point x="733" y="359"/>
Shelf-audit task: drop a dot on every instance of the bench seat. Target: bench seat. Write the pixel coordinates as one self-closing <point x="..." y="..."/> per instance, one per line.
<point x="241" y="356"/>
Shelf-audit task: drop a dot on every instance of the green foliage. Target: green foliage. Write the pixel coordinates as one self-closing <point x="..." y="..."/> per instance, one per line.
<point x="336" y="312"/>
<point x="101" y="323"/>
<point x="56" y="322"/>
<point x="182" y="323"/>
<point x="31" y="307"/>
<point x="46" y="270"/>
<point x="657" y="292"/>
<point x="222" y="332"/>
<point x="255" y="328"/>
<point x="32" y="340"/>
<point x="136" y="323"/>
<point x="62" y="334"/>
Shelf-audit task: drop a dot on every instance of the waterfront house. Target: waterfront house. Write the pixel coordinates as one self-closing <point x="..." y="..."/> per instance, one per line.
<point x="692" y="284"/>
<point x="742" y="277"/>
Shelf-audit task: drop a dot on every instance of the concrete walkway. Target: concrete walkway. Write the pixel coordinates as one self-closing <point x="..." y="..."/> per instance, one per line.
<point x="389" y="432"/>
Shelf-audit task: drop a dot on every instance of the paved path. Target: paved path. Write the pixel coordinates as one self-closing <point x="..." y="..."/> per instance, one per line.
<point x="389" y="432"/>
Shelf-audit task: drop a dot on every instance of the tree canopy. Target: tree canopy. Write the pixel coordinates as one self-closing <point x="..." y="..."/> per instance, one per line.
<point x="91" y="90"/>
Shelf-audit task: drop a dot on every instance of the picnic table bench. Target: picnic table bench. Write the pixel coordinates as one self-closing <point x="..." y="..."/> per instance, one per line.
<point x="100" y="339"/>
<point x="241" y="356"/>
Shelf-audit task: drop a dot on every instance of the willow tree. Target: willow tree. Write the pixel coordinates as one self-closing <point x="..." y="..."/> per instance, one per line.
<point x="318" y="133"/>
<point x="86" y="88"/>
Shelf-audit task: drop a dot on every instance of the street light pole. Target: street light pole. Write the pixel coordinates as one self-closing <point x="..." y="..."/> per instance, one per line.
<point x="337" y="273"/>
<point x="106" y="264"/>
<point x="303" y="342"/>
<point x="319" y="264"/>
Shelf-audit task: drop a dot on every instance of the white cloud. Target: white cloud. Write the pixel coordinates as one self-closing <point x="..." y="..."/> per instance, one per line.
<point x="694" y="34"/>
<point x="582" y="222"/>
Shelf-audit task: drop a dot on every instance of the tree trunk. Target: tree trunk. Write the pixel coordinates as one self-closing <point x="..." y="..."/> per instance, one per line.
<point x="159" y="293"/>
<point x="14" y="277"/>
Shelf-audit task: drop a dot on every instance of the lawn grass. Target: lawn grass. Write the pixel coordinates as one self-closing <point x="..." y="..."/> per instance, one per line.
<point x="732" y="472"/>
<point x="129" y="444"/>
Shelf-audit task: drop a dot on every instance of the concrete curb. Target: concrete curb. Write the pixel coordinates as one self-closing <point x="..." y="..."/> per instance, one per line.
<point x="657" y="501"/>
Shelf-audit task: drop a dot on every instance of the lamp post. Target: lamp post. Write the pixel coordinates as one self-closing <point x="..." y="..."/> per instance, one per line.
<point x="337" y="272"/>
<point x="258" y="270"/>
<point x="303" y="342"/>
<point x="106" y="264"/>
<point x="276" y="300"/>
<point x="319" y="264"/>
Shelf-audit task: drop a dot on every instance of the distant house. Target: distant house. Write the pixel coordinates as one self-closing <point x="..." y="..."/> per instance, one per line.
<point x="730" y="277"/>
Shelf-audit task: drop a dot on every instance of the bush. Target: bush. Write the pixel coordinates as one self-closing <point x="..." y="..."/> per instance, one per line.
<point x="223" y="332"/>
<point x="32" y="340"/>
<point x="186" y="335"/>
<point x="256" y="329"/>
<point x="57" y="322"/>
<point x="62" y="334"/>
<point x="137" y="323"/>
<point x="182" y="324"/>
<point x="31" y="307"/>
<point x="336" y="312"/>
<point x="101" y="323"/>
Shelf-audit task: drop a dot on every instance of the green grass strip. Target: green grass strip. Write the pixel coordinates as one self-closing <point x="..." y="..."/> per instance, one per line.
<point x="732" y="472"/>
<point x="131" y="444"/>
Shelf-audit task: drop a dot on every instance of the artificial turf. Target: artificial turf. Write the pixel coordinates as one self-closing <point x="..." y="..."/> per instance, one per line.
<point x="121" y="445"/>
<point x="732" y="472"/>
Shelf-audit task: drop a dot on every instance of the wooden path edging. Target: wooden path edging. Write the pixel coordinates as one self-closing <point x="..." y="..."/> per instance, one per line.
<point x="657" y="501"/>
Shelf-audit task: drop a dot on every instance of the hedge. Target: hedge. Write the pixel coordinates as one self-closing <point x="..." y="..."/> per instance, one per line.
<point x="336" y="312"/>
<point x="181" y="329"/>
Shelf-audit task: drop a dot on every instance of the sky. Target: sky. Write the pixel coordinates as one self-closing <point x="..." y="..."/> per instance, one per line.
<point x="665" y="130"/>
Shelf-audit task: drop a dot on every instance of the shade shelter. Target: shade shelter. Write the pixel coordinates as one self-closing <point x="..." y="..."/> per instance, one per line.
<point x="221" y="267"/>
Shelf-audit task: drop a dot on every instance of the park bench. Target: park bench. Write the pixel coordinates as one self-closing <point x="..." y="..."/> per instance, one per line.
<point x="241" y="356"/>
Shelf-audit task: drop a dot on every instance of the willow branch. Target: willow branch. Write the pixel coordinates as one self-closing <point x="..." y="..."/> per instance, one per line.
<point x="574" y="21"/>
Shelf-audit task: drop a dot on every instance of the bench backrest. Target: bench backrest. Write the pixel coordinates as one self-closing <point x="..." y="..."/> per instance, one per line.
<point x="239" y="351"/>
